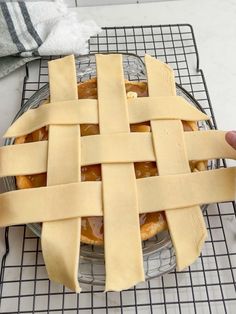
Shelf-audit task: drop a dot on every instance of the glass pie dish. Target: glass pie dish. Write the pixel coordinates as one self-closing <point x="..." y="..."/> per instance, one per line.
<point x="158" y="252"/>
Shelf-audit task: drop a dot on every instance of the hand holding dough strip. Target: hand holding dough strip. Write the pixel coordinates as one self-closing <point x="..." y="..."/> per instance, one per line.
<point x="119" y="197"/>
<point x="112" y="148"/>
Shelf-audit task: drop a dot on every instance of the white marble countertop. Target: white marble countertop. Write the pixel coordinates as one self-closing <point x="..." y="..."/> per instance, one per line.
<point x="214" y="24"/>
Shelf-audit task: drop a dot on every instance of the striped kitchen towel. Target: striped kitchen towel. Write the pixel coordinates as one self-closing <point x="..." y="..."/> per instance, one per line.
<point x="31" y="29"/>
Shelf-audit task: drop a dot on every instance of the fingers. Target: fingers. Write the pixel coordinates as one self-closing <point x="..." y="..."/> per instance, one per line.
<point x="231" y="138"/>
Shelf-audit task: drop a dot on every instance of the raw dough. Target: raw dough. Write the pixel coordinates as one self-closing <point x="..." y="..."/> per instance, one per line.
<point x="112" y="148"/>
<point x="86" y="111"/>
<point x="61" y="239"/>
<point x="122" y="239"/>
<point x="85" y="198"/>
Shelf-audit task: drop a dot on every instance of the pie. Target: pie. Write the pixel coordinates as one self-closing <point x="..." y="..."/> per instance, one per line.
<point x="142" y="169"/>
<point x="92" y="227"/>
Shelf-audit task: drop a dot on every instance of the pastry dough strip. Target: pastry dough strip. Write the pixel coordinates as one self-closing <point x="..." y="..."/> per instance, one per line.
<point x="186" y="225"/>
<point x="31" y="159"/>
<point x="61" y="239"/>
<point x="85" y="198"/>
<point x="122" y="239"/>
<point x="112" y="148"/>
<point x="85" y="111"/>
<point x="205" y="145"/>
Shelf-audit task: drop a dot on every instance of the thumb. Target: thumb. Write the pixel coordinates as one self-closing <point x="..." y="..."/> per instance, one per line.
<point x="231" y="138"/>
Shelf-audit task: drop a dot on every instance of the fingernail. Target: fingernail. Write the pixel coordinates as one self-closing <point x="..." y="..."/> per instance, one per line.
<point x="231" y="138"/>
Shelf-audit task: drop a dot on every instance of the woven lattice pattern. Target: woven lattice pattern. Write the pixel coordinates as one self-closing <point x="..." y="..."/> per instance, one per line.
<point x="120" y="197"/>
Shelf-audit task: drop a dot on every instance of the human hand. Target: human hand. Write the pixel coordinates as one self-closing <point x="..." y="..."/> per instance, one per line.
<point x="231" y="138"/>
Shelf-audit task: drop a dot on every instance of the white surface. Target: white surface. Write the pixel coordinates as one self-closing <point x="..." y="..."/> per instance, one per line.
<point x="85" y="3"/>
<point x="214" y="23"/>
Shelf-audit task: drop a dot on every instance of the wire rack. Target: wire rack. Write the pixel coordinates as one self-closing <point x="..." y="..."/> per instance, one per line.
<point x="208" y="286"/>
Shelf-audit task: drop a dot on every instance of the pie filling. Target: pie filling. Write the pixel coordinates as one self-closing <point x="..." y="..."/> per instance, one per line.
<point x="92" y="227"/>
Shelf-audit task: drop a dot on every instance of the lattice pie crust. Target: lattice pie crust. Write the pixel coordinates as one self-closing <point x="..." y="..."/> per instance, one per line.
<point x="119" y="197"/>
<point x="92" y="228"/>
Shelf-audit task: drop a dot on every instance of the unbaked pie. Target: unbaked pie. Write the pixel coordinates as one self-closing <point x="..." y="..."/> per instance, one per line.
<point x="107" y="176"/>
<point x="92" y="227"/>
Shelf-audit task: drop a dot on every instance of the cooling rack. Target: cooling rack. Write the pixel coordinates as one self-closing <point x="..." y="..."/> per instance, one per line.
<point x="208" y="286"/>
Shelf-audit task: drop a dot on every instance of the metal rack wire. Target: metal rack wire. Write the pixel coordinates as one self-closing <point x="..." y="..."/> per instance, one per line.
<point x="208" y="286"/>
